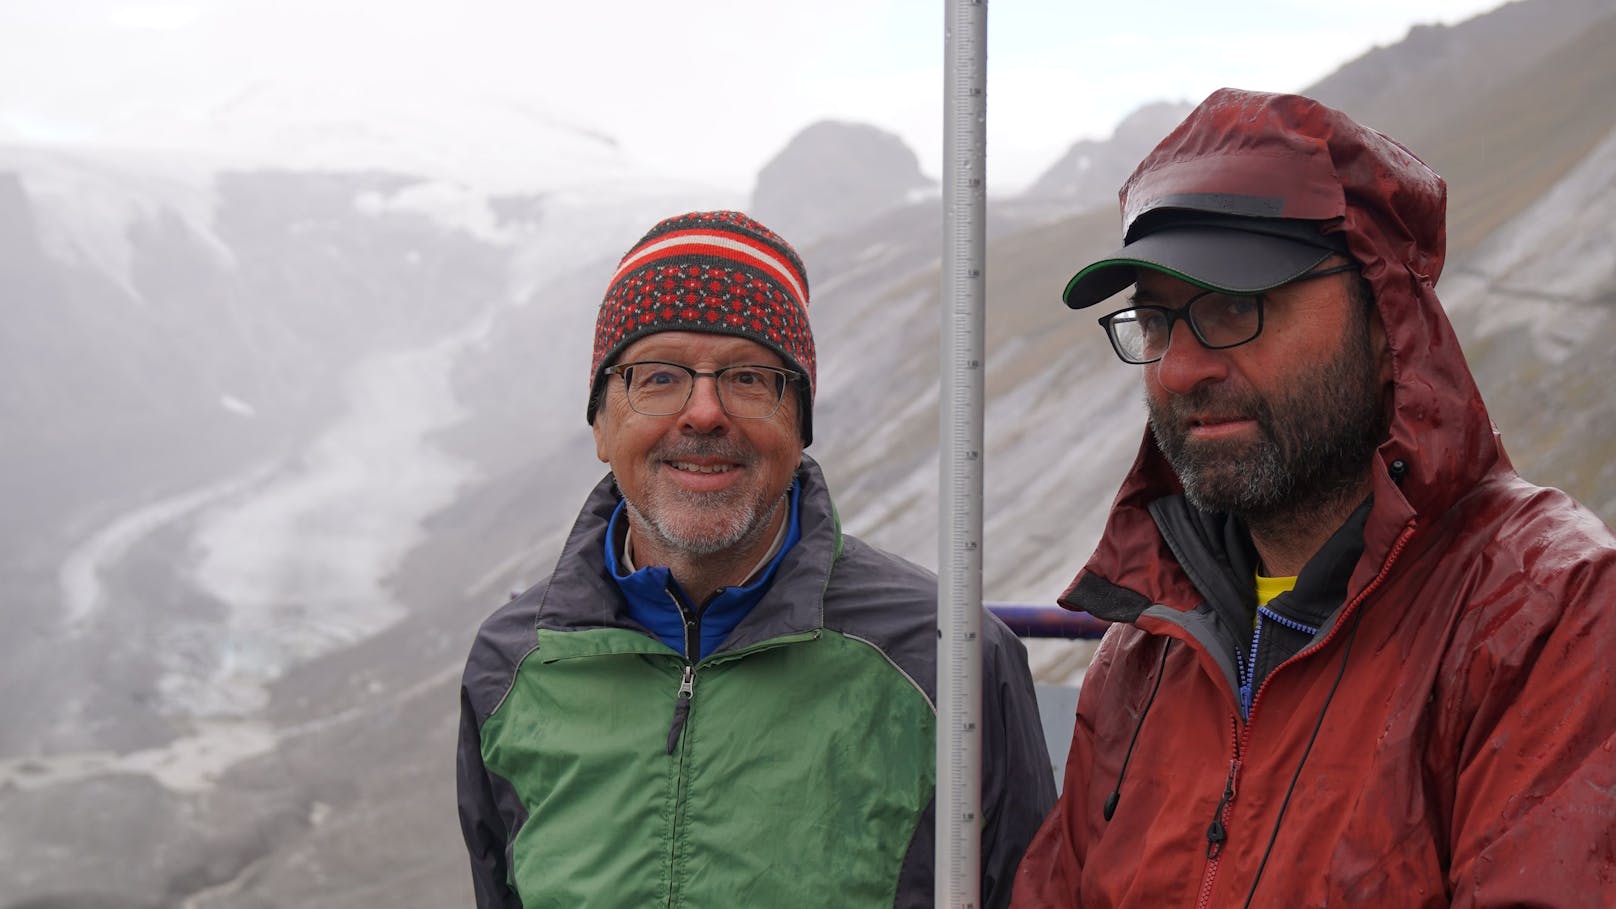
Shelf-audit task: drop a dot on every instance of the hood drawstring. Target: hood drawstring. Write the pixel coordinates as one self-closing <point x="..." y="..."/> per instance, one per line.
<point x="1116" y="793"/>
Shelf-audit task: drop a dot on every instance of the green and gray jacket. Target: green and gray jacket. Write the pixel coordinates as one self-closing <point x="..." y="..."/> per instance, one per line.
<point x="799" y="772"/>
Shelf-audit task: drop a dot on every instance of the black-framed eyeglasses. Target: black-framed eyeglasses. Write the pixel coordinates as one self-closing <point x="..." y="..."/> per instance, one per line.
<point x="658" y="389"/>
<point x="1140" y="334"/>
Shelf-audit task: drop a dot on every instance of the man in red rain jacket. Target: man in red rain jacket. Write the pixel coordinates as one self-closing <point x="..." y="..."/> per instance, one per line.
<point x="1358" y="661"/>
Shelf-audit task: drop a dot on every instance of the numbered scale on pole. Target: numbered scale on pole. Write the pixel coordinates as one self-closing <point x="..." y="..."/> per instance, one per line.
<point x="959" y="601"/>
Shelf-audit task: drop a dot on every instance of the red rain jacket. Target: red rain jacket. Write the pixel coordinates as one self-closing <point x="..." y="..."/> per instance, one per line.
<point x="1461" y="704"/>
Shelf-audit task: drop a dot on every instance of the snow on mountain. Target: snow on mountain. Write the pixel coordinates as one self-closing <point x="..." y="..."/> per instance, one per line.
<point x="459" y="149"/>
<point x="85" y="203"/>
<point x="500" y="142"/>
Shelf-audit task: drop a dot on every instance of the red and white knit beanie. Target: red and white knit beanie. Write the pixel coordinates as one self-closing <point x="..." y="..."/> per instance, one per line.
<point x="718" y="272"/>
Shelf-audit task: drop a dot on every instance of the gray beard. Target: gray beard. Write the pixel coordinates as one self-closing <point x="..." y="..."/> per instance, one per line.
<point x="1315" y="443"/>
<point x="731" y="528"/>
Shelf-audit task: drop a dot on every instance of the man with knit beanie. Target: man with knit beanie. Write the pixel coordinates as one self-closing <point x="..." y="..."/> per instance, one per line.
<point x="719" y="699"/>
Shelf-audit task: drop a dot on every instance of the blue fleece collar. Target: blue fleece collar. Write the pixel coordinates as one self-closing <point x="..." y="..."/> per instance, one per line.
<point x="650" y="591"/>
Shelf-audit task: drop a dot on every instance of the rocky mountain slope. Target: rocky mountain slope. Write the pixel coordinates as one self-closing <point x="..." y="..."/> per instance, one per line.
<point x="288" y="437"/>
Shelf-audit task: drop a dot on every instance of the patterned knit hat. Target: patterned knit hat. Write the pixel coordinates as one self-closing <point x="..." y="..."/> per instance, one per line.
<point x="718" y="272"/>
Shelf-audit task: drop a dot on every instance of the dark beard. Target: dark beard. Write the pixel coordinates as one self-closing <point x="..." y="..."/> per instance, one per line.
<point x="1316" y="442"/>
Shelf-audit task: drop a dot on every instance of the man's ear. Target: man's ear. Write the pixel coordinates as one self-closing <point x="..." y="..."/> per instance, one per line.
<point x="602" y="450"/>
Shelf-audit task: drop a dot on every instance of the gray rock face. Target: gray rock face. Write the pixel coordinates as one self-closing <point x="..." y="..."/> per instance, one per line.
<point x="833" y="175"/>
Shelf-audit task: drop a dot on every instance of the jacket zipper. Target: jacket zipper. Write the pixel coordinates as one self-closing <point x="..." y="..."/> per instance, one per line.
<point x="681" y="713"/>
<point x="1217" y="834"/>
<point x="687" y="685"/>
<point x="1374" y="584"/>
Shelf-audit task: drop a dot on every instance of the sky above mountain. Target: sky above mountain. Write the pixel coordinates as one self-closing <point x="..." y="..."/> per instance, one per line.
<point x="705" y="90"/>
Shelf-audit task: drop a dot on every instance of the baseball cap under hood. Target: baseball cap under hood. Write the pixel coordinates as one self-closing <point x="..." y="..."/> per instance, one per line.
<point x="1253" y="189"/>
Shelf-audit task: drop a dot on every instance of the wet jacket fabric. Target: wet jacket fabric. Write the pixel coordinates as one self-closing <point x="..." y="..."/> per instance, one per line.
<point x="1447" y="737"/>
<point x="793" y="766"/>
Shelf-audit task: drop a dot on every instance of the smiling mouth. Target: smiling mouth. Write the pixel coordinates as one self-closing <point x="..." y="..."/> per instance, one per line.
<point x="688" y="467"/>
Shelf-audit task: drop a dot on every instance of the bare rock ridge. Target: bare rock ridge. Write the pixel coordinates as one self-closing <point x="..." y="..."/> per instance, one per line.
<point x="833" y="174"/>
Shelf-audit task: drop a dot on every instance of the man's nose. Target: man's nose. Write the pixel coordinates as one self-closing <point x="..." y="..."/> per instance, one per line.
<point x="1187" y="363"/>
<point x="704" y="413"/>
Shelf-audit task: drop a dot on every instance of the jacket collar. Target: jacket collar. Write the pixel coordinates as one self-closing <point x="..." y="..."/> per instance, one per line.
<point x="650" y="590"/>
<point x="581" y="593"/>
<point x="1216" y="552"/>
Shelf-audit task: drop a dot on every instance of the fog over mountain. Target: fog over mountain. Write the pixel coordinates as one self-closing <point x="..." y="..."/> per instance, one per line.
<point x="279" y="435"/>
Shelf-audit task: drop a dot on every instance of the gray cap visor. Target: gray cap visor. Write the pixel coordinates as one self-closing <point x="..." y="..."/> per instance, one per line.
<point x="1230" y="261"/>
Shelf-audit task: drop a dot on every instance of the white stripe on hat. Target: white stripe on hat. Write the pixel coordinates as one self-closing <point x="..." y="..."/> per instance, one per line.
<point x="758" y="253"/>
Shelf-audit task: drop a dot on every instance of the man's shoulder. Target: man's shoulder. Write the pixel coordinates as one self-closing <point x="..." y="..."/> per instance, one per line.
<point x="1545" y="527"/>
<point x="863" y="564"/>
<point x="892" y="602"/>
<point x="503" y="641"/>
<point x="1530" y="552"/>
<point x="519" y="609"/>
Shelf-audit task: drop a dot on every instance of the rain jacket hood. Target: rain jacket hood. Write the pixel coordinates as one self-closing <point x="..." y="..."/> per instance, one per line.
<point x="1265" y="155"/>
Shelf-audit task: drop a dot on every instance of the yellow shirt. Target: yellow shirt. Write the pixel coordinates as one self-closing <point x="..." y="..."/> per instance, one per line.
<point x="1268" y="588"/>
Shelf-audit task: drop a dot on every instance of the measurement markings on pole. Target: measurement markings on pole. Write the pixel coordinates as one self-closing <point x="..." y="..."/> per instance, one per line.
<point x="959" y="616"/>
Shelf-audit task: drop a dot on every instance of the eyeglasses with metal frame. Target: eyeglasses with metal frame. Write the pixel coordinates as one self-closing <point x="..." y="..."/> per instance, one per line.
<point x="1140" y="334"/>
<point x="746" y="391"/>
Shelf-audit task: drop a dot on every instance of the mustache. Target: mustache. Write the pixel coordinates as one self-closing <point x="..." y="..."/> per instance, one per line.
<point x="686" y="449"/>
<point x="1177" y="410"/>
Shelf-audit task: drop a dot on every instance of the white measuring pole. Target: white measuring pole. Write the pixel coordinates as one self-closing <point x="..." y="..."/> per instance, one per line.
<point x="959" y="576"/>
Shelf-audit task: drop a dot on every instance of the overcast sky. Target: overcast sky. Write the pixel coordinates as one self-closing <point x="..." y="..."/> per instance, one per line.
<point x="707" y="90"/>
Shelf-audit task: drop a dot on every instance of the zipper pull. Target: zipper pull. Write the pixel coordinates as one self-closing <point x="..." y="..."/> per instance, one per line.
<point x="1216" y="833"/>
<point x="681" y="709"/>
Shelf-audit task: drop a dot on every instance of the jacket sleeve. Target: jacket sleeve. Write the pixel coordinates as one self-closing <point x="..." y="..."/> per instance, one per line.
<point x="1533" y="709"/>
<point x="1053" y="866"/>
<point x="1018" y="785"/>
<point x="480" y="820"/>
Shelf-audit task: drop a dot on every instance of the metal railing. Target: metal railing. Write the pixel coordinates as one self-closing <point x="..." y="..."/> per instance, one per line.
<point x="1029" y="621"/>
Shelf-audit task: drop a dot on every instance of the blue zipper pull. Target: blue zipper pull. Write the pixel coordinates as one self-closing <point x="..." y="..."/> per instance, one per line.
<point x="1245" y="701"/>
